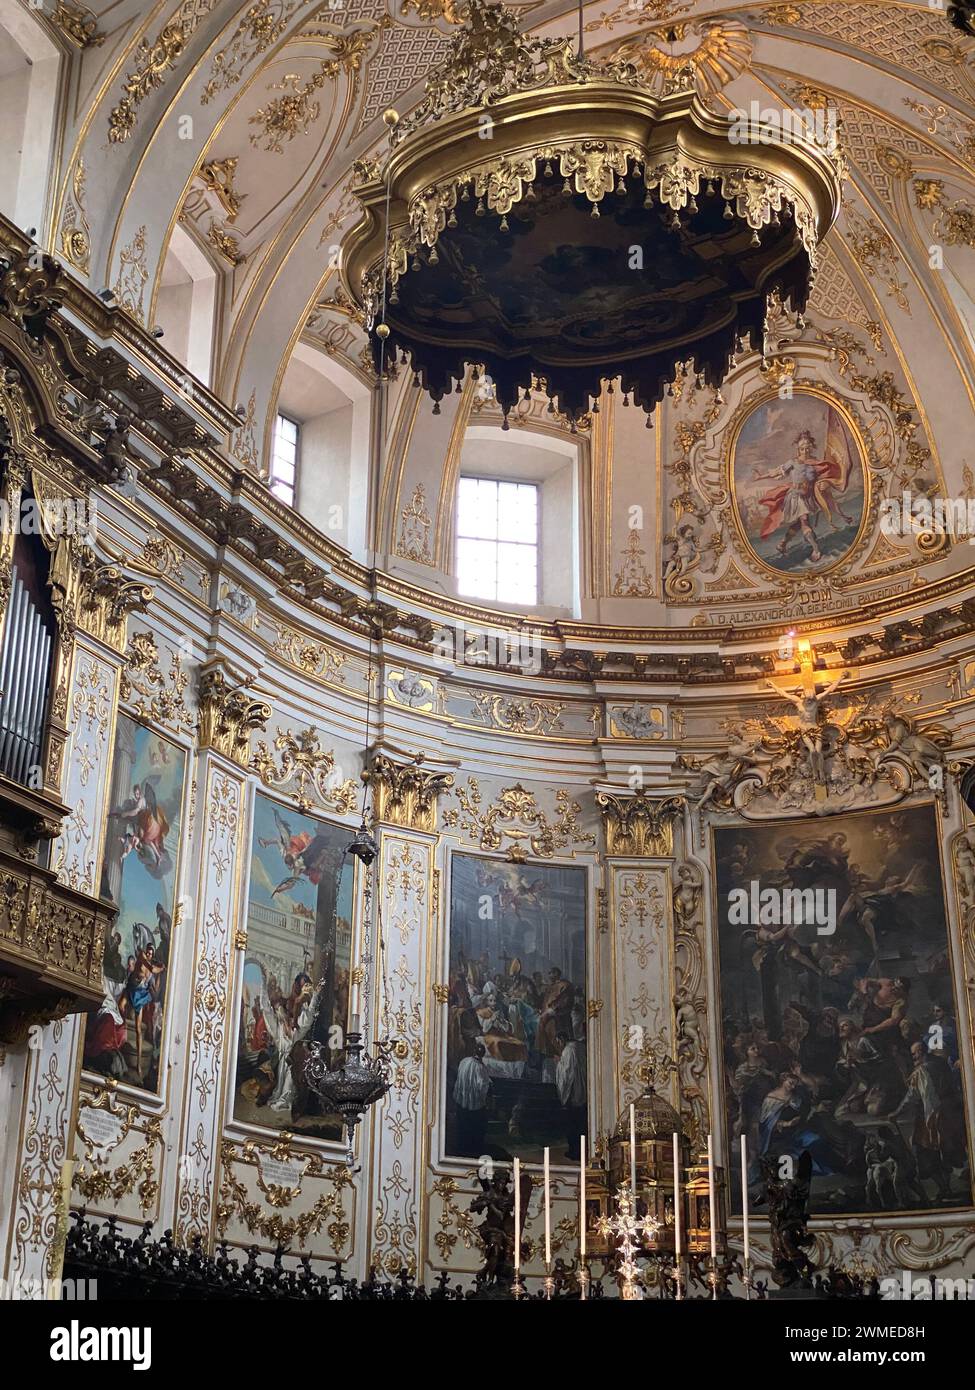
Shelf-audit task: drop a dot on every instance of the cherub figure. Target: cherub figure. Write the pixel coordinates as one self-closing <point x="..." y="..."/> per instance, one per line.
<point x="920" y="751"/>
<point x="687" y="896"/>
<point x="686" y="555"/>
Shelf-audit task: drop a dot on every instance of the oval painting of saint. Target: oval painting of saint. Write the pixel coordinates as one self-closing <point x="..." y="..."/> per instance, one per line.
<point x="797" y="479"/>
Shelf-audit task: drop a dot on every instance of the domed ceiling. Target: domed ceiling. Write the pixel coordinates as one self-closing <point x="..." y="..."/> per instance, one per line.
<point x="238" y="126"/>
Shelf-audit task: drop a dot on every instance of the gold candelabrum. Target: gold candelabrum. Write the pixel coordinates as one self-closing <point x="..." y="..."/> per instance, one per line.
<point x="610" y="1204"/>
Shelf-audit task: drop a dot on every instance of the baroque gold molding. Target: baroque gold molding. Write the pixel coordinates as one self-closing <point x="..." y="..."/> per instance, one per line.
<point x="151" y="694"/>
<point x="228" y="714"/>
<point x="517" y="817"/>
<point x="638" y="825"/>
<point x="405" y="794"/>
<point x="517" y="716"/>
<point x="234" y="1200"/>
<point x="309" y="766"/>
<point x="137" y="1174"/>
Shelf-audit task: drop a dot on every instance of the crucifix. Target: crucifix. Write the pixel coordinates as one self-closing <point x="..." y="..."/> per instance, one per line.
<point x="808" y="700"/>
<point x="626" y="1226"/>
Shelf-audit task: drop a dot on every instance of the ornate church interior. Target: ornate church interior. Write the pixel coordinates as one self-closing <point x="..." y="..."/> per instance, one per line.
<point x="487" y="674"/>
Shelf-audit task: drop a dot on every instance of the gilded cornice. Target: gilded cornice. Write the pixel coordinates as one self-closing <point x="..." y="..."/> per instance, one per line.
<point x="234" y="509"/>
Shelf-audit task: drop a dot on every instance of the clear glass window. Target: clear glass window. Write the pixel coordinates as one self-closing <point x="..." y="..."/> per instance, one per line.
<point x="497" y="540"/>
<point x="284" y="459"/>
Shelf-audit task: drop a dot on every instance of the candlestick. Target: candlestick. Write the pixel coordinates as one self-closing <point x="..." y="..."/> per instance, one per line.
<point x="548" y="1215"/>
<point x="633" y="1154"/>
<point x="582" y="1200"/>
<point x="677" y="1231"/>
<point x="744" y="1210"/>
<point x="712" y="1219"/>
<point x="517" y="1183"/>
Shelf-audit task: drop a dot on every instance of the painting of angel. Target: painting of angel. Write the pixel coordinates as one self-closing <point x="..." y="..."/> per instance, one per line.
<point x="124" y="1039"/>
<point x="297" y="966"/>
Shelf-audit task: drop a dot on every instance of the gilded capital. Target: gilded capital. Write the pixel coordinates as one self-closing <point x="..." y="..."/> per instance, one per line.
<point x="405" y="794"/>
<point x="106" y="598"/>
<point x="229" y="714"/>
<point x="639" y="825"/>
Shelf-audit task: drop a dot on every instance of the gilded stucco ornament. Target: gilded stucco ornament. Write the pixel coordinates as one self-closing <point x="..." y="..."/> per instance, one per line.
<point x="32" y="287"/>
<point x="639" y="825"/>
<point x="106" y="597"/>
<point x="256" y="1158"/>
<point x="151" y="693"/>
<point x="103" y="1126"/>
<point x="228" y="713"/>
<point x="405" y="794"/>
<point x="574" y="137"/>
<point x="78" y="24"/>
<point x="305" y="769"/>
<point x="831" y="755"/>
<point x="516" y="822"/>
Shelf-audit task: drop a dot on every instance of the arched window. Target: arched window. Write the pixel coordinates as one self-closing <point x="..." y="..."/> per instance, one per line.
<point x="516" y="533"/>
<point x="29" y="72"/>
<point x="327" y="413"/>
<point x="186" y="304"/>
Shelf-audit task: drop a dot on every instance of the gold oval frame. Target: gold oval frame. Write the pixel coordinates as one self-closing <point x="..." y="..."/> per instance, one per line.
<point x="745" y="412"/>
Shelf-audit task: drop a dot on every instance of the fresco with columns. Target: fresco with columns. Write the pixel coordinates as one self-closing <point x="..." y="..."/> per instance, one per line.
<point x="703" y="681"/>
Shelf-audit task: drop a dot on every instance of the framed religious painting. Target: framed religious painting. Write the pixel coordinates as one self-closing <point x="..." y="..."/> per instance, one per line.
<point x="297" y="966"/>
<point x="797" y="474"/>
<point x="841" y="1037"/>
<point x="124" y="1039"/>
<point x="516" y="1065"/>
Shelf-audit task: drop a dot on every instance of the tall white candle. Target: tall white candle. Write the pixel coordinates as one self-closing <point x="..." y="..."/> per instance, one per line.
<point x="712" y="1207"/>
<point x="677" y="1233"/>
<point x="744" y="1196"/>
<point x="633" y="1153"/>
<point x="582" y="1200"/>
<point x="548" y="1214"/>
<point x="517" y="1182"/>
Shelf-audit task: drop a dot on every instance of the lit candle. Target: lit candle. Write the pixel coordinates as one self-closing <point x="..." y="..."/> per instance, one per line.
<point x="677" y="1210"/>
<point x="633" y="1154"/>
<point x="548" y="1214"/>
<point x="582" y="1200"/>
<point x="712" y="1208"/>
<point x="744" y="1196"/>
<point x="517" y="1182"/>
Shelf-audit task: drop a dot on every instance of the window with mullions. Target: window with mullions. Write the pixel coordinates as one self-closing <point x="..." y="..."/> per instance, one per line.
<point x="497" y="540"/>
<point x="284" y="459"/>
